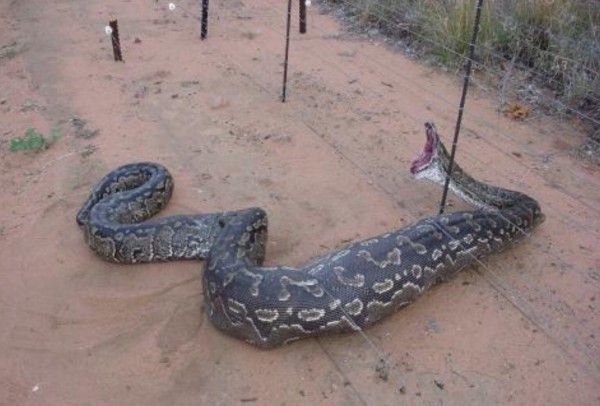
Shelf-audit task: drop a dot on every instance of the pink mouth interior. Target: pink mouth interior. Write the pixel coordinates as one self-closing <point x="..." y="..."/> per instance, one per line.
<point x="425" y="156"/>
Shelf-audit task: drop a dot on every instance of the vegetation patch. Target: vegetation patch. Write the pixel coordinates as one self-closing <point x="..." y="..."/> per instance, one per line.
<point x="11" y="50"/>
<point x="34" y="141"/>
<point x="81" y="129"/>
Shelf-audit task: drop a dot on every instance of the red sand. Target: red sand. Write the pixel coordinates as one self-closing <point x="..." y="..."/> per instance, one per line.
<point x="330" y="166"/>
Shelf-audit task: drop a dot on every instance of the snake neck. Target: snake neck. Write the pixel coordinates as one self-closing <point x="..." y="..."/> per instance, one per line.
<point x="434" y="164"/>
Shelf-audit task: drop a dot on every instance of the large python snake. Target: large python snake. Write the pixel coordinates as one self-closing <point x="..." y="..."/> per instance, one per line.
<point x="342" y="291"/>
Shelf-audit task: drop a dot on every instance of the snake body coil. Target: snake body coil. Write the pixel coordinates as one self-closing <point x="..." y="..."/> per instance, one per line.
<point x="343" y="291"/>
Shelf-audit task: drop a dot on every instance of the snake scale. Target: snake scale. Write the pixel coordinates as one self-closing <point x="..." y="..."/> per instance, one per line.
<point x="343" y="291"/>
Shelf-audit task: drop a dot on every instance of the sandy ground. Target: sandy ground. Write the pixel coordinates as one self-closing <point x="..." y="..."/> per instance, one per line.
<point x="330" y="166"/>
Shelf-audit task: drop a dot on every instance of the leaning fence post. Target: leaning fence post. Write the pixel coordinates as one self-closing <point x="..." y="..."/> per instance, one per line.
<point x="116" y="44"/>
<point x="462" y="101"/>
<point x="302" y="16"/>
<point x="204" y="20"/>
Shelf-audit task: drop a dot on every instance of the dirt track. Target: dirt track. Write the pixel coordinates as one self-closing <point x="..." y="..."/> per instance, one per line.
<point x="330" y="166"/>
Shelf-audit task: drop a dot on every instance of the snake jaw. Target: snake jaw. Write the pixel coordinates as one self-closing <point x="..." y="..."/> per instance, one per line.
<point x="425" y="164"/>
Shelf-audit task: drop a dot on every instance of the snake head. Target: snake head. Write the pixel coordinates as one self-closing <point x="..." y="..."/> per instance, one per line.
<point x="427" y="164"/>
<point x="429" y="152"/>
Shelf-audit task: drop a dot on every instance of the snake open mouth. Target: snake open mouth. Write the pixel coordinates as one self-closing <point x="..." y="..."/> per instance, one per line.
<point x="426" y="156"/>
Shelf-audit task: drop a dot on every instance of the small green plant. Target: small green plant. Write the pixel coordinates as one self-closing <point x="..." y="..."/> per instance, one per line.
<point x="11" y="50"/>
<point x="34" y="141"/>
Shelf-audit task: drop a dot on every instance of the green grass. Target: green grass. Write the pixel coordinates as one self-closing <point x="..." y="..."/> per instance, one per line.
<point x="11" y="50"/>
<point x="34" y="141"/>
<point x="553" y="43"/>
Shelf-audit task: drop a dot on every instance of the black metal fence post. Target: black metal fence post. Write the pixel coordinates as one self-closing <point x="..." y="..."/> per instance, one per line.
<point x="204" y="22"/>
<point x="462" y="101"/>
<point x="287" y="49"/>
<point x="302" y="16"/>
<point x="116" y="44"/>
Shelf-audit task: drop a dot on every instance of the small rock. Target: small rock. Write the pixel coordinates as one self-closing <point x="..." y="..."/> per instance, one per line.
<point x="30" y="105"/>
<point x="189" y="83"/>
<point x="383" y="370"/>
<point x="432" y="326"/>
<point x="87" y="150"/>
<point x="80" y="128"/>
<point x="141" y="92"/>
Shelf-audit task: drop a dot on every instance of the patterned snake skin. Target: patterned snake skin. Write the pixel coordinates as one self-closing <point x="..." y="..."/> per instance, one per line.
<point x="343" y="291"/>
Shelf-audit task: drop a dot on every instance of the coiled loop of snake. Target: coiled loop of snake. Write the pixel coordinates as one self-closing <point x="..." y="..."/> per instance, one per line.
<point x="342" y="291"/>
